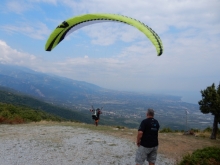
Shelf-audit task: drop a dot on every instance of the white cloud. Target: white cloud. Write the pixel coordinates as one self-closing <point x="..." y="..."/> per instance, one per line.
<point x="17" y="6"/>
<point x="155" y="12"/>
<point x="54" y="2"/>
<point x="22" y="6"/>
<point x="13" y="56"/>
<point x="36" y="30"/>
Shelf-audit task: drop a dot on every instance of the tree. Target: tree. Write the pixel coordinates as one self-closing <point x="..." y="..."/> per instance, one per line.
<point x="210" y="103"/>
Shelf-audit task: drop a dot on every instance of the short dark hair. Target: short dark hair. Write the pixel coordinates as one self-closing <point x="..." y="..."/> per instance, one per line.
<point x="150" y="112"/>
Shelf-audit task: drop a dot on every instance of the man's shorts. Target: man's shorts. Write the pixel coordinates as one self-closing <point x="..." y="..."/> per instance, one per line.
<point x="148" y="154"/>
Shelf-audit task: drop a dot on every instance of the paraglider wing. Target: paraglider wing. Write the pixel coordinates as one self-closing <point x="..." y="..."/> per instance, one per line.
<point x="72" y="24"/>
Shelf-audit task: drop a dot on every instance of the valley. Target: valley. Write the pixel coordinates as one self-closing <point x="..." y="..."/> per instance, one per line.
<point x="119" y="107"/>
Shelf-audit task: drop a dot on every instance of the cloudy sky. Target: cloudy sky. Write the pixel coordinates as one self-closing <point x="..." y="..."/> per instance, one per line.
<point x="115" y="55"/>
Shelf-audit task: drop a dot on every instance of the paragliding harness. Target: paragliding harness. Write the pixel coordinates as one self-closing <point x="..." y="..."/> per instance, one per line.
<point x="95" y="115"/>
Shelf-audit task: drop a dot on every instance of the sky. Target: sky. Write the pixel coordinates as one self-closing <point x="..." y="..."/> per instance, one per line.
<point x="115" y="55"/>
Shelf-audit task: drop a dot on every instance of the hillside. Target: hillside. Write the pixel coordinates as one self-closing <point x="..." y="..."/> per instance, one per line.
<point x="51" y="88"/>
<point x="18" y="100"/>
<point x="11" y="114"/>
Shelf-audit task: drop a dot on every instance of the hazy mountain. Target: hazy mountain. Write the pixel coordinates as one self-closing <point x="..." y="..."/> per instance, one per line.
<point x="48" y="87"/>
<point x="127" y="108"/>
<point x="60" y="90"/>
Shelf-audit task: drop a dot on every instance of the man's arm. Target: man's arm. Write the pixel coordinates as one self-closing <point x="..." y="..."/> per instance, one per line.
<point x="139" y="136"/>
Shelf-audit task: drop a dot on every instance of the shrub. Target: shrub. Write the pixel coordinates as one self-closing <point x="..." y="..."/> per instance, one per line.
<point x="205" y="156"/>
<point x="195" y="130"/>
<point x="166" y="130"/>
<point x="2" y="119"/>
<point x="5" y="114"/>
<point x="208" y="129"/>
<point x="14" y="114"/>
<point x="120" y="127"/>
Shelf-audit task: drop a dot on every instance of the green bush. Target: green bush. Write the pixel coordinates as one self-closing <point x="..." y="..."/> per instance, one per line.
<point x="5" y="114"/>
<point x="120" y="127"/>
<point x="195" y="130"/>
<point x="166" y="130"/>
<point x="13" y="114"/>
<point x="208" y="129"/>
<point x="205" y="156"/>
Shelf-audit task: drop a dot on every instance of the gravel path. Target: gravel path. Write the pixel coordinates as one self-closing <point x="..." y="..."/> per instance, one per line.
<point x="64" y="145"/>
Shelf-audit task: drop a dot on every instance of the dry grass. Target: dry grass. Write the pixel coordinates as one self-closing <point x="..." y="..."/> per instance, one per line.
<point x="176" y="145"/>
<point x="172" y="145"/>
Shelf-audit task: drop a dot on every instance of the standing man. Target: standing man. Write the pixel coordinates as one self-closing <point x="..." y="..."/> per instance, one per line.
<point x="147" y="140"/>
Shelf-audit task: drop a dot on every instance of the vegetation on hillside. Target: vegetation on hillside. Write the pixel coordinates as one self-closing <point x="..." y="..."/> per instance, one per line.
<point x="205" y="156"/>
<point x="20" y="100"/>
<point x="19" y="114"/>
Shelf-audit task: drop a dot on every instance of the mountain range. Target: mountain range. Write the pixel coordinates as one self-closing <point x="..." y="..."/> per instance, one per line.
<point x="128" y="107"/>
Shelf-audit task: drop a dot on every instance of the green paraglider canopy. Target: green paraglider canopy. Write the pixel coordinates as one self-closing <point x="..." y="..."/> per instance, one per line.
<point x="80" y="21"/>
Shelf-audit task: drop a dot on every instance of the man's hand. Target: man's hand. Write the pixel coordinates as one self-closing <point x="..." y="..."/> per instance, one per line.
<point x="139" y="136"/>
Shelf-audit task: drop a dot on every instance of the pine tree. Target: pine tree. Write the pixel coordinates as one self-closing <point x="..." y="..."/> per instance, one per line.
<point x="210" y="103"/>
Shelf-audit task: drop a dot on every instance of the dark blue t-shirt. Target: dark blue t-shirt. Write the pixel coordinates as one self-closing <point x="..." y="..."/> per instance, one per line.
<point x="150" y="128"/>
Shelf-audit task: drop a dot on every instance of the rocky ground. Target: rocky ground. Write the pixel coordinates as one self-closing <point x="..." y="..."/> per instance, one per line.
<point x="30" y="144"/>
